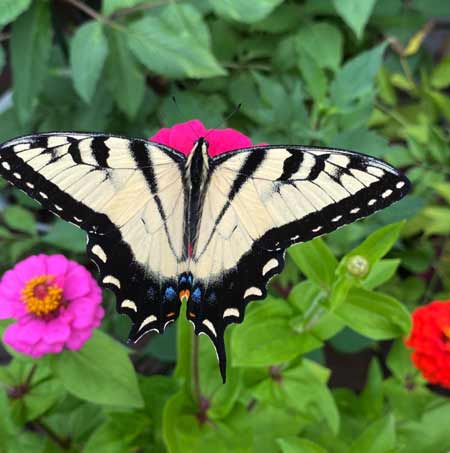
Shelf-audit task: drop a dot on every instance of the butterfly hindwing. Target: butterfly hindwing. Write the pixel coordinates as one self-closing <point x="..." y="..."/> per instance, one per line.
<point x="262" y="200"/>
<point x="123" y="193"/>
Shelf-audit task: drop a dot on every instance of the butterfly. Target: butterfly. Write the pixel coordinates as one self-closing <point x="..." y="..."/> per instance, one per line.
<point x="210" y="232"/>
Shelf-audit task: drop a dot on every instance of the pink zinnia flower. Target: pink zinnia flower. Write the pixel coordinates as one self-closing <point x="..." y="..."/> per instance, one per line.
<point x="55" y="301"/>
<point x="183" y="136"/>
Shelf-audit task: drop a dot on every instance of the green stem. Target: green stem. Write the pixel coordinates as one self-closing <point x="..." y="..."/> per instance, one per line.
<point x="64" y="443"/>
<point x="195" y="369"/>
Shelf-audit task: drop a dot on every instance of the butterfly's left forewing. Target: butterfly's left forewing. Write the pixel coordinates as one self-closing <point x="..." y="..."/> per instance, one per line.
<point x="262" y="200"/>
<point x="128" y="195"/>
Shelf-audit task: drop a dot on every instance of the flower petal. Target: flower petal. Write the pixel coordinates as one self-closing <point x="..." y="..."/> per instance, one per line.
<point x="223" y="140"/>
<point x="57" y="265"/>
<point x="30" y="268"/>
<point x="56" y="332"/>
<point x="77" y="283"/>
<point x="181" y="137"/>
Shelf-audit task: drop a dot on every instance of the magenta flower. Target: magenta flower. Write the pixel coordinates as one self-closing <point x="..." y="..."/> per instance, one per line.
<point x="183" y="136"/>
<point x="56" y="304"/>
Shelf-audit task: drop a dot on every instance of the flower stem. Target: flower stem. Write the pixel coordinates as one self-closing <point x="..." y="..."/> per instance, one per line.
<point x="195" y="369"/>
<point x="30" y="376"/>
<point x="62" y="442"/>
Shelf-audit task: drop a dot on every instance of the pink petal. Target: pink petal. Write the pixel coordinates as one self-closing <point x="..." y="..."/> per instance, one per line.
<point x="31" y="267"/>
<point x="78" y="338"/>
<point x="181" y="137"/>
<point x="11" y="285"/>
<point x="56" y="332"/>
<point x="84" y="312"/>
<point x="57" y="265"/>
<point x="77" y="283"/>
<point x="223" y="140"/>
<point x="11" y="308"/>
<point x="30" y="330"/>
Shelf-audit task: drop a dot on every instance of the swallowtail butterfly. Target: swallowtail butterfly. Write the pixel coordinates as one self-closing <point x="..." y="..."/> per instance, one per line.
<point x="165" y="228"/>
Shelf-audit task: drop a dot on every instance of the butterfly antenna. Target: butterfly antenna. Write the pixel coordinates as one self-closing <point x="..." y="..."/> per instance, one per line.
<point x="235" y="110"/>
<point x="181" y="116"/>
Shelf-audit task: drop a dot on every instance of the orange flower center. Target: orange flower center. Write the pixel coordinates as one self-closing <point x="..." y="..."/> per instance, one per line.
<point x="446" y="332"/>
<point x="41" y="295"/>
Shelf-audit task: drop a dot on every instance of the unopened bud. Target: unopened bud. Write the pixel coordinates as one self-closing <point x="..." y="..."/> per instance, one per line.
<point x="358" y="266"/>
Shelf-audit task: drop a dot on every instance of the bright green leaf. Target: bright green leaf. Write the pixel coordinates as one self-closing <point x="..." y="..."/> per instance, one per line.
<point x="31" y="43"/>
<point x="316" y="261"/>
<point x="374" y="315"/>
<point x="127" y="81"/>
<point x="355" y="13"/>
<point x="299" y="445"/>
<point x="313" y="75"/>
<point x="88" y="51"/>
<point x="356" y="78"/>
<point x="379" y="437"/>
<point x="11" y="9"/>
<point x="269" y="342"/>
<point x="323" y="42"/>
<point x="242" y="11"/>
<point x="100" y="372"/>
<point x="375" y="246"/>
<point x="372" y="397"/>
<point x="174" y="42"/>
<point x="440" y="77"/>
<point x="380" y="273"/>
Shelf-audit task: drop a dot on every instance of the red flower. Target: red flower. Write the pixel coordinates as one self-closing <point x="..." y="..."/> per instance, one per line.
<point x="183" y="136"/>
<point x="430" y="339"/>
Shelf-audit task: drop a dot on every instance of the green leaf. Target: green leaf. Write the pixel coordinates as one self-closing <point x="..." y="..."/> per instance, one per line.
<point x="88" y="51"/>
<point x="374" y="315"/>
<point x="379" y="437"/>
<point x="100" y="372"/>
<point x="299" y="445"/>
<point x="66" y="236"/>
<point x="268" y="337"/>
<point x="11" y="9"/>
<point x="355" y="13"/>
<point x="381" y="272"/>
<point x="440" y="77"/>
<point x="111" y="6"/>
<point x="363" y="140"/>
<point x="155" y="40"/>
<point x="372" y="397"/>
<point x="323" y="42"/>
<point x="207" y="108"/>
<point x="399" y="361"/>
<point x="316" y="261"/>
<point x="356" y="78"/>
<point x="19" y="219"/>
<point x="127" y="81"/>
<point x="31" y="43"/>
<point x="247" y="12"/>
<point x="2" y="59"/>
<point x="375" y="246"/>
<point x="313" y="75"/>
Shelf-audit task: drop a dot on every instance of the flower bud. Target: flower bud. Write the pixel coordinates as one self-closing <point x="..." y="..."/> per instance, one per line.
<point x="358" y="266"/>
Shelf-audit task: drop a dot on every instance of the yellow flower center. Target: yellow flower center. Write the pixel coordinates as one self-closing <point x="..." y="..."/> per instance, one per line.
<point x="41" y="295"/>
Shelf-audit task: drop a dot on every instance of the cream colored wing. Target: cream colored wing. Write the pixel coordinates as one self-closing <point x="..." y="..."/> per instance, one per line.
<point x="260" y="201"/>
<point x="128" y="195"/>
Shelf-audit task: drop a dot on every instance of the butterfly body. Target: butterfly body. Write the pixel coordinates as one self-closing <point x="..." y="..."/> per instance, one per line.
<point x="166" y="229"/>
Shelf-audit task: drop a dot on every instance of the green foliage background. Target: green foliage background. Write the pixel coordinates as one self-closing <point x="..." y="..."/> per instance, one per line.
<point x="369" y="75"/>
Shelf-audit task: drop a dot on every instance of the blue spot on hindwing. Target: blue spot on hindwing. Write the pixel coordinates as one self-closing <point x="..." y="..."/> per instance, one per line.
<point x="170" y="293"/>
<point x="197" y="295"/>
